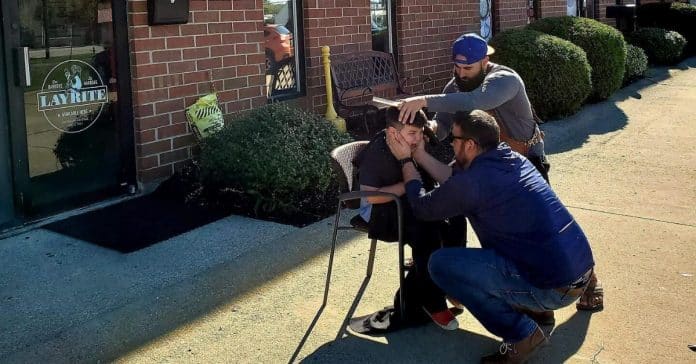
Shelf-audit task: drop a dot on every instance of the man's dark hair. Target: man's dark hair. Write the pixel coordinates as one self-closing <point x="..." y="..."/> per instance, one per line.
<point x="391" y="116"/>
<point x="479" y="126"/>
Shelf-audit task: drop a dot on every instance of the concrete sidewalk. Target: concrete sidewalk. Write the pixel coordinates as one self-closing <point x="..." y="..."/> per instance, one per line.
<point x="242" y="290"/>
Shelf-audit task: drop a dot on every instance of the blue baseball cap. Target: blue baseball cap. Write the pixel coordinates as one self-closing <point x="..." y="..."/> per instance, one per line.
<point x="471" y="48"/>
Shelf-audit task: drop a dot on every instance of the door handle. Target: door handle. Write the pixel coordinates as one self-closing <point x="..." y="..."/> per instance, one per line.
<point x="23" y="75"/>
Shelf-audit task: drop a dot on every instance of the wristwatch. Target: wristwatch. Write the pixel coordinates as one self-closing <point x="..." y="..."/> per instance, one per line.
<point x="402" y="162"/>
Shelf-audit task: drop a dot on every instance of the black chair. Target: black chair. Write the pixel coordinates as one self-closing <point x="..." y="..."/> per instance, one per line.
<point x="342" y="159"/>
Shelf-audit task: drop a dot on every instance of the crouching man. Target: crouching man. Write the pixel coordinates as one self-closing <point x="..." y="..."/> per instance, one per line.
<point x="534" y="258"/>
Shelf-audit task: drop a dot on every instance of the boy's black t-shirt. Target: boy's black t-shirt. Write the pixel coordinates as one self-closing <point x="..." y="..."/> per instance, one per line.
<point x="378" y="167"/>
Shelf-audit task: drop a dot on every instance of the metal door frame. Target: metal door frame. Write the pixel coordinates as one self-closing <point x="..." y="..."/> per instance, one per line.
<point x="10" y="91"/>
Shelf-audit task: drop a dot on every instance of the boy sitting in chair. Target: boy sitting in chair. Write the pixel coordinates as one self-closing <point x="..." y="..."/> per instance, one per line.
<point x="380" y="171"/>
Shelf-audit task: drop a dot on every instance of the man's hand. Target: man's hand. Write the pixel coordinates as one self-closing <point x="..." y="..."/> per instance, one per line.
<point x="397" y="145"/>
<point x="409" y="107"/>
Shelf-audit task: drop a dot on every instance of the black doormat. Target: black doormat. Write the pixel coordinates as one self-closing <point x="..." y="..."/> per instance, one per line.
<point x="138" y="223"/>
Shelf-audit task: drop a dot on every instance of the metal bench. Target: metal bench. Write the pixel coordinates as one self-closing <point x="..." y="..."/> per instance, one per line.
<point x="357" y="77"/>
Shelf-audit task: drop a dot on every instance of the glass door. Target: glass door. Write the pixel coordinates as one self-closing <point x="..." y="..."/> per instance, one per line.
<point x="66" y="61"/>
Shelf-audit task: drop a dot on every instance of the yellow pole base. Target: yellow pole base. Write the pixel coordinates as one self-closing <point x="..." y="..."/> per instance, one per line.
<point x="331" y="114"/>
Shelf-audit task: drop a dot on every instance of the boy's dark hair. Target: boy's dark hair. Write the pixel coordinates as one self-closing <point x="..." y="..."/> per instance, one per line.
<point x="479" y="126"/>
<point x="391" y="117"/>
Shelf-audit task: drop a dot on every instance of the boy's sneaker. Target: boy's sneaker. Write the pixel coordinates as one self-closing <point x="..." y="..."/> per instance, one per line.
<point x="445" y="319"/>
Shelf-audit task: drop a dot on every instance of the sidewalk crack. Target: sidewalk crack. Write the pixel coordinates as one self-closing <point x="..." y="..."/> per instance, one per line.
<point x="633" y="216"/>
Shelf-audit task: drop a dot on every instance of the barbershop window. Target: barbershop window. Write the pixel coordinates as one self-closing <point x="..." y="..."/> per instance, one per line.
<point x="381" y="20"/>
<point x="282" y="38"/>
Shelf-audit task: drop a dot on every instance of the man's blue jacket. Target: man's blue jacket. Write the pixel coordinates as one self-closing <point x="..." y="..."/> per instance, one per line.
<point x="514" y="211"/>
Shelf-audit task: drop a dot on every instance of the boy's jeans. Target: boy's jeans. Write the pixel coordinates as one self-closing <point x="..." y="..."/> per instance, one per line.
<point x="491" y="287"/>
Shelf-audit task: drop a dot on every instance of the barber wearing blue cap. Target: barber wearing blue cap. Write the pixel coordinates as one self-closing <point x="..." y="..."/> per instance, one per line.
<point x="481" y="84"/>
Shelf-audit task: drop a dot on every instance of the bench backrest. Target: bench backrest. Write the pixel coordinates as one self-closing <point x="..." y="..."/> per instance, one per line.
<point x="354" y="73"/>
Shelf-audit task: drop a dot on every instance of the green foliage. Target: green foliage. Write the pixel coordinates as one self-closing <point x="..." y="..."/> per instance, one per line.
<point x="555" y="71"/>
<point x="636" y="63"/>
<point x="661" y="46"/>
<point x="675" y="16"/>
<point x="604" y="46"/>
<point x="276" y="155"/>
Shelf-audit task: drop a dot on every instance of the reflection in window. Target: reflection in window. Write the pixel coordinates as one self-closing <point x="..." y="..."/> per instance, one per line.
<point x="380" y="15"/>
<point x="486" y="19"/>
<point x="282" y="47"/>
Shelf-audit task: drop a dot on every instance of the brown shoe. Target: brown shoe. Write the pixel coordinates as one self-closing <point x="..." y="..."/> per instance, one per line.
<point x="542" y="318"/>
<point x="518" y="352"/>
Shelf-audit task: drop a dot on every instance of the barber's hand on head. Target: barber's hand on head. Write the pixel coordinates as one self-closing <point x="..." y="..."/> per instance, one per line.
<point x="409" y="107"/>
<point x="397" y="145"/>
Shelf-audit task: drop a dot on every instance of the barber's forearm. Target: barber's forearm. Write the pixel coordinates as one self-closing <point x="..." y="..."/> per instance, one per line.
<point x="397" y="189"/>
<point x="439" y="171"/>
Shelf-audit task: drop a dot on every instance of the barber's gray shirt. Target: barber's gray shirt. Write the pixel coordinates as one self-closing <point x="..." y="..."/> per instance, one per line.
<point x="501" y="91"/>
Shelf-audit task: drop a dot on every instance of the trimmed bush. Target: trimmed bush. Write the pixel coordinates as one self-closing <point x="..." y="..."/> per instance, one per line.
<point x="675" y="16"/>
<point x="555" y="71"/>
<point x="660" y="45"/>
<point x="636" y="63"/>
<point x="604" y="46"/>
<point x="277" y="156"/>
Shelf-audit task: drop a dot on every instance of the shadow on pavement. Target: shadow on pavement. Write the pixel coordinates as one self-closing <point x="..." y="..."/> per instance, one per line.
<point x="603" y="117"/>
<point x="429" y="344"/>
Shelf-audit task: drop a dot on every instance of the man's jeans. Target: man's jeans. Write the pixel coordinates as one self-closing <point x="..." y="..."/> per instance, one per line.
<point x="490" y="287"/>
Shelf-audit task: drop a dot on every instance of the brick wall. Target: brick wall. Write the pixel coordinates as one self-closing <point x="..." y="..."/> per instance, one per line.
<point x="344" y="26"/>
<point x="552" y="8"/>
<point x="222" y="44"/>
<point x="510" y="14"/>
<point x="425" y="32"/>
<point x="172" y="65"/>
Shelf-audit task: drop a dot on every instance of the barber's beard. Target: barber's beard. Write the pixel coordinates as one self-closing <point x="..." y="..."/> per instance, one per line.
<point x="470" y="84"/>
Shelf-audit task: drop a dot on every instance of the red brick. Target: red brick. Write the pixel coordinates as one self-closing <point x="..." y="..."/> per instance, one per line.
<point x="180" y="42"/>
<point x="165" y="31"/>
<point x="209" y="63"/>
<point x="222" y="50"/>
<point x="148" y="162"/>
<point x="208" y="40"/>
<point x="174" y="156"/>
<point x="181" y="67"/>
<point x="183" y="141"/>
<point x="155" y="174"/>
<point x="166" y="56"/>
<point x="152" y="122"/>
<point x="154" y="148"/>
<point x="194" y="77"/>
<point x="233" y="38"/>
<point x="142" y="110"/>
<point x="142" y="83"/>
<point x="169" y="106"/>
<point x="206" y="16"/>
<point x="193" y="29"/>
<point x="171" y="130"/>
<point x="235" y="15"/>
<point x="182" y="91"/>
<point x="196" y="53"/>
<point x="145" y="136"/>
<point x="150" y="96"/>
<point x="219" y="28"/>
<point x="148" y="44"/>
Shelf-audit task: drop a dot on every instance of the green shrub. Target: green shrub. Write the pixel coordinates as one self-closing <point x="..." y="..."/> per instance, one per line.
<point x="277" y="156"/>
<point x="636" y="63"/>
<point x="678" y="17"/>
<point x="660" y="45"/>
<point x="555" y="72"/>
<point x="604" y="46"/>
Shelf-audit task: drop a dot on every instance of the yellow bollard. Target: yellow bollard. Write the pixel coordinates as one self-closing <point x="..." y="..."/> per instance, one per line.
<point x="331" y="114"/>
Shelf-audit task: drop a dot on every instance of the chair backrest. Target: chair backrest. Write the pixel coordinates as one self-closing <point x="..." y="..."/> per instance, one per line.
<point x="342" y="158"/>
<point x="352" y="73"/>
<point x="283" y="79"/>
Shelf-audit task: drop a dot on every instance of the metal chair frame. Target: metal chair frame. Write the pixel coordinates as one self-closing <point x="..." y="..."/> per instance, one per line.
<point x="345" y="175"/>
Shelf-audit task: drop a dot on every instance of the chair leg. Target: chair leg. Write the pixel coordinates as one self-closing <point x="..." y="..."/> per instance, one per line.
<point x="331" y="256"/>
<point x="371" y="259"/>
<point x="402" y="285"/>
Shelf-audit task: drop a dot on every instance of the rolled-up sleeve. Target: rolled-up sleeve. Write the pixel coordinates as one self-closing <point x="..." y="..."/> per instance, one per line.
<point x="453" y="198"/>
